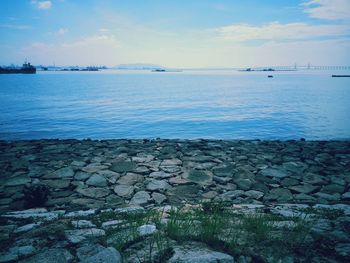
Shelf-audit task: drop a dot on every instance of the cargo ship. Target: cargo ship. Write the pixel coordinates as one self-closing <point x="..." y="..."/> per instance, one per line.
<point x="26" y="68"/>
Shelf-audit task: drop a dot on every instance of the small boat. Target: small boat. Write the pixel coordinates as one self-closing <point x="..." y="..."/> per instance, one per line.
<point x="270" y="76"/>
<point x="26" y="68"/>
<point x="158" y="70"/>
<point x="340" y="76"/>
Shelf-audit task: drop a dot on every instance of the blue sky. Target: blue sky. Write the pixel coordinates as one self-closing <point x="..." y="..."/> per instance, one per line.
<point x="181" y="33"/>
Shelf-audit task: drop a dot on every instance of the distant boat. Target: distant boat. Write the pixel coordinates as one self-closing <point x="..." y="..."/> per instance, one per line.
<point x="26" y="68"/>
<point x="158" y="70"/>
<point x="270" y="76"/>
<point x="340" y="76"/>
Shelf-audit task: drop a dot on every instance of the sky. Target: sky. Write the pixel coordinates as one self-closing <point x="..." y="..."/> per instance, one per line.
<point x="176" y="33"/>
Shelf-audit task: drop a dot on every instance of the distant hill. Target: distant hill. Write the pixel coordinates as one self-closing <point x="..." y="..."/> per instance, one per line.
<point x="139" y="66"/>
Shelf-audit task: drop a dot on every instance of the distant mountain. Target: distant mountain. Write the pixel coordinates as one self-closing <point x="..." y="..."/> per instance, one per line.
<point x="139" y="66"/>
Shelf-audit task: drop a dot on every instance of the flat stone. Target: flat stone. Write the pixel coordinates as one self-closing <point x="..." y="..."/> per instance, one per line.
<point x="157" y="185"/>
<point x="178" y="180"/>
<point x="63" y="173"/>
<point x="114" y="200"/>
<point x="123" y="166"/>
<point x="198" y="176"/>
<point x="254" y="194"/>
<point x="15" y="252"/>
<point x="140" y="198"/>
<point x="274" y="172"/>
<point x="158" y="198"/>
<point x="230" y="195"/>
<point x="18" y="180"/>
<point x="108" y="255"/>
<point x="304" y="189"/>
<point x="27" y="227"/>
<point x="328" y="197"/>
<point x="295" y="167"/>
<point x="210" y="194"/>
<point x="97" y="180"/>
<point x="224" y="171"/>
<point x="315" y="179"/>
<point x="289" y="182"/>
<point x="243" y="184"/>
<point x="171" y="162"/>
<point x="54" y="255"/>
<point x="145" y="230"/>
<point x="130" y="179"/>
<point x="79" y="235"/>
<point x="81" y="176"/>
<point x="193" y="252"/>
<point x="346" y="196"/>
<point x="57" y="184"/>
<point x="333" y="189"/>
<point x="182" y="193"/>
<point x="279" y="194"/>
<point x="81" y="213"/>
<point x="82" y="224"/>
<point x="124" y="190"/>
<point x="304" y="197"/>
<point x="343" y="249"/>
<point x="89" y="250"/>
<point x="160" y="175"/>
<point x="111" y="223"/>
<point x="93" y="192"/>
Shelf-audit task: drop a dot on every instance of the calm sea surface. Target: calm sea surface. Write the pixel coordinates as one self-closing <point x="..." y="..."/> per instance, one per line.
<point x="190" y="104"/>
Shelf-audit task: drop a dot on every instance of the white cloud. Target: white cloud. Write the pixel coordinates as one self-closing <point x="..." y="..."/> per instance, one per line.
<point x="42" y="4"/>
<point x="328" y="9"/>
<point x="280" y="32"/>
<point x="18" y="27"/>
<point x="61" y="31"/>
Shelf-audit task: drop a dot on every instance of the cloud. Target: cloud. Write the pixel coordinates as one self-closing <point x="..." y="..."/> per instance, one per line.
<point x="42" y="4"/>
<point x="328" y="9"/>
<point x="17" y="27"/>
<point x="61" y="31"/>
<point x="276" y="31"/>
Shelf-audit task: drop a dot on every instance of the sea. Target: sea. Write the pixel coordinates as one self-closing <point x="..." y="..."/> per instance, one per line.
<point x="189" y="104"/>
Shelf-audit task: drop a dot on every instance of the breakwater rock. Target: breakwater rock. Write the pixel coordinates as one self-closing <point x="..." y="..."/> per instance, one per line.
<point x="116" y="173"/>
<point x="174" y="201"/>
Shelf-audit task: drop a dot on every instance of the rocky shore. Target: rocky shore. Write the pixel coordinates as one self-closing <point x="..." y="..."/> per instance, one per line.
<point x="87" y="175"/>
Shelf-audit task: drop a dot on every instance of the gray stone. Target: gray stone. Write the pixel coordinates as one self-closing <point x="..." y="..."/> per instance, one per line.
<point x="289" y="182"/>
<point x="333" y="189"/>
<point x="346" y="196"/>
<point x="111" y="223"/>
<point x="15" y="252"/>
<point x="193" y="252"/>
<point x="279" y="194"/>
<point x="328" y="197"/>
<point x="97" y="180"/>
<point x="27" y="227"/>
<point x="79" y="235"/>
<point x="145" y="230"/>
<point x="304" y="189"/>
<point x="295" y="167"/>
<point x="274" y="172"/>
<point x="160" y="175"/>
<point x="114" y="200"/>
<point x="254" y="194"/>
<point x="89" y="250"/>
<point x="182" y="193"/>
<point x="311" y="178"/>
<point x="230" y="195"/>
<point x="57" y="184"/>
<point x="81" y="213"/>
<point x="157" y="185"/>
<point x="124" y="190"/>
<point x="171" y="162"/>
<point x="198" y="176"/>
<point x="123" y="166"/>
<point x="158" y="198"/>
<point x="343" y="249"/>
<point x="82" y="224"/>
<point x="130" y="179"/>
<point x="93" y="192"/>
<point x="226" y="170"/>
<point x="55" y="255"/>
<point x="243" y="184"/>
<point x="81" y="176"/>
<point x="18" y="180"/>
<point x="108" y="255"/>
<point x="304" y="198"/>
<point x="63" y="173"/>
<point x="140" y="198"/>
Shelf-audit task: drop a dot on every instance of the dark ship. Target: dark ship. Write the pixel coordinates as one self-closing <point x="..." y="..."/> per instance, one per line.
<point x="26" y="68"/>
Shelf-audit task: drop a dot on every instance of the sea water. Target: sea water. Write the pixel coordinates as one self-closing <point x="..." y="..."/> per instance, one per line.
<point x="218" y="104"/>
